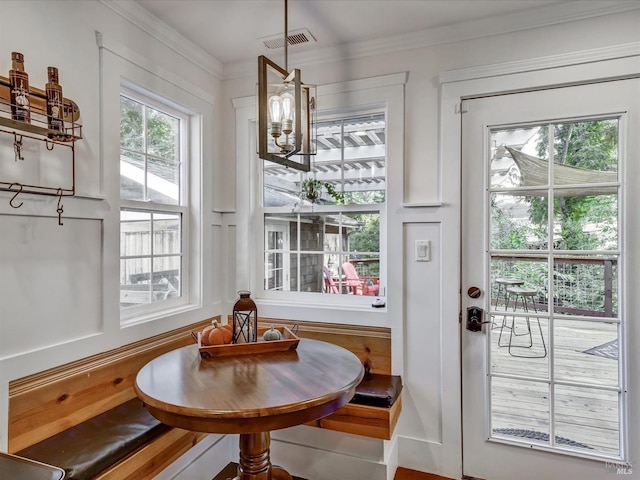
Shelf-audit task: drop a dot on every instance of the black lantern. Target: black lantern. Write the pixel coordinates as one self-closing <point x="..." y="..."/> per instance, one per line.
<point x="245" y="319"/>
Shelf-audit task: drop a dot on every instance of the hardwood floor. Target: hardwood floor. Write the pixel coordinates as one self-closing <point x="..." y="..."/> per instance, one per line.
<point x="406" y="474"/>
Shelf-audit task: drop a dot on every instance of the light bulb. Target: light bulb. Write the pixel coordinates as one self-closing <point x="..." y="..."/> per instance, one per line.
<point x="288" y="109"/>
<point x="275" y="112"/>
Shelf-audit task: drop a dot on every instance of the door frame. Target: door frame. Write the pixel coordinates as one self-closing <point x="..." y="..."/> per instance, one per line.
<point x="282" y="227"/>
<point x="571" y="69"/>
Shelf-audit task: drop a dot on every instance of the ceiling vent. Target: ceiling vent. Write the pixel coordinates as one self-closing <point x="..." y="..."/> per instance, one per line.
<point x="298" y="37"/>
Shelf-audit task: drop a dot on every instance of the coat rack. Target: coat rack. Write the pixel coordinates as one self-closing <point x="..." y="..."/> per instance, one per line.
<point x="38" y="130"/>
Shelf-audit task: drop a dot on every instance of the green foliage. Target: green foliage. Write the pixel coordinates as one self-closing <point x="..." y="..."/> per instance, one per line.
<point x="367" y="239"/>
<point x="311" y="189"/>
<point x="590" y="145"/>
<point x="161" y="131"/>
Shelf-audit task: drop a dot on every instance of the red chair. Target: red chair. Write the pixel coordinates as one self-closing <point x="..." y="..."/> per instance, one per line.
<point x="359" y="286"/>
<point x="329" y="284"/>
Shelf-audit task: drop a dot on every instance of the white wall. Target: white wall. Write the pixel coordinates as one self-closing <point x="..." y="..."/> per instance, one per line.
<point x="425" y="319"/>
<point x="78" y="262"/>
<point x="59" y="284"/>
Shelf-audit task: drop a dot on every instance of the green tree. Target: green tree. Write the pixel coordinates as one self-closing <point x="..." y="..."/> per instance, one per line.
<point x="590" y="145"/>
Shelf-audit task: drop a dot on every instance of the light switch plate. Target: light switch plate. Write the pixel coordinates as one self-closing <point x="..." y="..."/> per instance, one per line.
<point x="423" y="251"/>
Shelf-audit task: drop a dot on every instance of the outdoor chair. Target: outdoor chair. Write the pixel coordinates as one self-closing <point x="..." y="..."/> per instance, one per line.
<point x="329" y="283"/>
<point x="358" y="286"/>
<point x="526" y="295"/>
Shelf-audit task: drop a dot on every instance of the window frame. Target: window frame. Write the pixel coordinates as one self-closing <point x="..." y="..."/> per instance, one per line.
<point x="142" y="312"/>
<point x="295" y="297"/>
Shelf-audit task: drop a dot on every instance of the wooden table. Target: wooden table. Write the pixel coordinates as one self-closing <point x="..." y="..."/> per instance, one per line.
<point x="250" y="394"/>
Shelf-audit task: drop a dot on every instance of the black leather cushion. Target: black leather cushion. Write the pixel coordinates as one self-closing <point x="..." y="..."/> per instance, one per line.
<point x="378" y="390"/>
<point x="91" y="447"/>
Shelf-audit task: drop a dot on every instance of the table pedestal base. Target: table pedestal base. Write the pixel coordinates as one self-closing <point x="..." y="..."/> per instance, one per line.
<point x="255" y="463"/>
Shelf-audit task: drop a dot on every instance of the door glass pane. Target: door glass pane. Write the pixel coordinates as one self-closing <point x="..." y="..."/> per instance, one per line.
<point x="543" y="331"/>
<point x="520" y="410"/>
<point x="586" y="352"/>
<point x="586" y="285"/>
<point x="519" y="222"/>
<point x="585" y="222"/>
<point x="591" y="148"/>
<point x="507" y="169"/>
<point x="276" y="260"/>
<point x="522" y="352"/>
<point x="596" y="429"/>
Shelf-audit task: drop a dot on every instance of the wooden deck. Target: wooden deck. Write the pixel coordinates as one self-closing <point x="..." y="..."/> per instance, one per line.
<point x="586" y="416"/>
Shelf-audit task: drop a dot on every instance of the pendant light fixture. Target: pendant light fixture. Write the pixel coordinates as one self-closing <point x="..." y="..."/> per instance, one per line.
<point x="286" y="112"/>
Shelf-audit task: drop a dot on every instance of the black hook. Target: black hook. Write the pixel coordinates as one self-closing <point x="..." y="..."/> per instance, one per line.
<point x="15" y="195"/>
<point x="60" y="209"/>
<point x="17" y="147"/>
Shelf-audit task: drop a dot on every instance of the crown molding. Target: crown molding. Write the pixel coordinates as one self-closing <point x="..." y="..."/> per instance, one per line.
<point x="159" y="30"/>
<point x="552" y="15"/>
<point x="542" y="63"/>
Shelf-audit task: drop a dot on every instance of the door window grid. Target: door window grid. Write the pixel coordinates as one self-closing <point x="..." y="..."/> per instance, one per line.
<point x="517" y="252"/>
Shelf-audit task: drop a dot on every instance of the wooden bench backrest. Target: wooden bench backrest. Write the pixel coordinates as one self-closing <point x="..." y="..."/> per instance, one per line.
<point x="49" y="402"/>
<point x="372" y="345"/>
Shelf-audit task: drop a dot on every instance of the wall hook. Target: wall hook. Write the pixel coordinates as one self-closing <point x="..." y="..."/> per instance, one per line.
<point x="49" y="145"/>
<point x="15" y="195"/>
<point x="60" y="209"/>
<point x="17" y="147"/>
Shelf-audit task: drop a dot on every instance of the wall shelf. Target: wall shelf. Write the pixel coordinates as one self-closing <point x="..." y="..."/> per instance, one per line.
<point x="37" y="130"/>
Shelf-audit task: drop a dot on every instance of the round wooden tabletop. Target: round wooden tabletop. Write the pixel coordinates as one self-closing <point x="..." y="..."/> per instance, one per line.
<point x="249" y="393"/>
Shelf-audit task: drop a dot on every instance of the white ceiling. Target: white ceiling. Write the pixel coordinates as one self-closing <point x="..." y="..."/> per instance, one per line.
<point x="229" y="30"/>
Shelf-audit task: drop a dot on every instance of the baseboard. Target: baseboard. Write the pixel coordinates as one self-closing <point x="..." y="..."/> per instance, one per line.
<point x="203" y="460"/>
<point x="316" y="464"/>
<point x="425" y="456"/>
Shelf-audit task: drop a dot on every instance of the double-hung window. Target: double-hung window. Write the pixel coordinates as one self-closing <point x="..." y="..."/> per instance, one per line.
<point x="323" y="229"/>
<point x="153" y="205"/>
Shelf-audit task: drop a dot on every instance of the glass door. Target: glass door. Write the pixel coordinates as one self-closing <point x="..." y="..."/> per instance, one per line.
<point x="276" y="275"/>
<point x="547" y="384"/>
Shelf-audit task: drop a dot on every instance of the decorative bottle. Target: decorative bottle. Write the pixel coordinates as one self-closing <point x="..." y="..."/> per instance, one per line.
<point x="19" y="89"/>
<point x="54" y="104"/>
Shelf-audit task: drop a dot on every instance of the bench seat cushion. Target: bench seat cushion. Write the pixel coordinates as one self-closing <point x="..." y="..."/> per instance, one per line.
<point x="378" y="390"/>
<point x="93" y="446"/>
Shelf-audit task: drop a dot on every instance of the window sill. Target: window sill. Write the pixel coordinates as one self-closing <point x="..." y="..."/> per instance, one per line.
<point x="323" y="312"/>
<point x="133" y="321"/>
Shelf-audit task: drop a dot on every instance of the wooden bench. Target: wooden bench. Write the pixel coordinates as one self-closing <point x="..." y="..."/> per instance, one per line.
<point x="89" y="391"/>
<point x="373" y="346"/>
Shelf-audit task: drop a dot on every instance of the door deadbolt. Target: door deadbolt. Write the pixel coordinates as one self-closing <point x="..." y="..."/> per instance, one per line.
<point x="474" y="292"/>
<point x="475" y="319"/>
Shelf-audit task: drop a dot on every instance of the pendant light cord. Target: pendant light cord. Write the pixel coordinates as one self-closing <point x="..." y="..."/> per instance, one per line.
<point x="286" y="35"/>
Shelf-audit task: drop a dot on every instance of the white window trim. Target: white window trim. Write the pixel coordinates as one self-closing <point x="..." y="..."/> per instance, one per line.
<point x="121" y="66"/>
<point x="143" y="311"/>
<point x="379" y="92"/>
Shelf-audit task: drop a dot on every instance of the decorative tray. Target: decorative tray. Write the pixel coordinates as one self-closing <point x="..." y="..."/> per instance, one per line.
<point x="289" y="341"/>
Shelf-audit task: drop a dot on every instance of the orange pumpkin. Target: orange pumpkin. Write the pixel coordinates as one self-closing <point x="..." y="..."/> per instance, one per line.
<point x="204" y="337"/>
<point x="219" y="335"/>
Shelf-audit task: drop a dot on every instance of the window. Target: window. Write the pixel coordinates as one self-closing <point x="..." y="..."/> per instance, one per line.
<point x="322" y="229"/>
<point x="154" y="212"/>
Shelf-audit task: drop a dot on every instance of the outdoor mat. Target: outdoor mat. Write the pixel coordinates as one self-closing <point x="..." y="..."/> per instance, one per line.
<point x="606" y="350"/>
<point x="542" y="437"/>
<point x="229" y="472"/>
